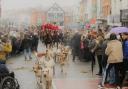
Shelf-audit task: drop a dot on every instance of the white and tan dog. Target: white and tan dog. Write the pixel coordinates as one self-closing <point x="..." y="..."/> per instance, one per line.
<point x="47" y="78"/>
<point x="68" y="52"/>
<point x="48" y="70"/>
<point x="38" y="72"/>
<point x="56" y="52"/>
<point x="43" y="69"/>
<point x="63" y="58"/>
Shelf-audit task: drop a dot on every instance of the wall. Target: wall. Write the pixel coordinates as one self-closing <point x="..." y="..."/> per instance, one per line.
<point x="99" y="8"/>
<point x="124" y="4"/>
<point x="89" y="9"/>
<point x="114" y="18"/>
<point x="106" y="8"/>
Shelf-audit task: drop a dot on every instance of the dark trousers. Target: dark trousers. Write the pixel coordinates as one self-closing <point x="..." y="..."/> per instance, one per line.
<point x="104" y="62"/>
<point x="35" y="48"/>
<point x="124" y="69"/>
<point x="74" y="56"/>
<point x="74" y="53"/>
<point x="81" y="55"/>
<point x="93" y="57"/>
<point x="125" y="64"/>
<point x="99" y="58"/>
<point x="118" y="71"/>
<point x="2" y="61"/>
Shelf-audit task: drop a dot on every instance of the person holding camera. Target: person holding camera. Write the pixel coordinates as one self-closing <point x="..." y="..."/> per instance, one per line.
<point x="5" y="48"/>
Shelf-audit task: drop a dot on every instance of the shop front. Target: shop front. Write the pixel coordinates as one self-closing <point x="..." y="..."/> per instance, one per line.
<point x="124" y="17"/>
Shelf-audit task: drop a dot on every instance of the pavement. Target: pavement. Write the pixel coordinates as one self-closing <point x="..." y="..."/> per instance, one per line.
<point x="23" y="72"/>
<point x="78" y="75"/>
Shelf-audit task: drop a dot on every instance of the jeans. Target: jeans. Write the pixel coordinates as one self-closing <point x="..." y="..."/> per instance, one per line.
<point x="2" y="61"/>
<point x="113" y="75"/>
<point x="27" y="53"/>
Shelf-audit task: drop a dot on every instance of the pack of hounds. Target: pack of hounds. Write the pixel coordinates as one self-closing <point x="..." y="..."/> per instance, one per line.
<point x="44" y="67"/>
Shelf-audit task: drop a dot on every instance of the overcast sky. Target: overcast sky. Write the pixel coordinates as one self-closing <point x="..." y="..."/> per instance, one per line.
<point x="20" y="4"/>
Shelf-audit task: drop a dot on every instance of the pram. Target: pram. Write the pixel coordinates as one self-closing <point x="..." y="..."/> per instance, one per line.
<point x="7" y="79"/>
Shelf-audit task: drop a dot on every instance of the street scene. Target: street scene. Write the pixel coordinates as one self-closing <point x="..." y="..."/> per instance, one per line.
<point x="63" y="44"/>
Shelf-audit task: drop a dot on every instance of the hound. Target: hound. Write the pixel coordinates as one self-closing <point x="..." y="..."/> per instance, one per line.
<point x="38" y="72"/>
<point x="63" y="59"/>
<point x="47" y="78"/>
<point x="44" y="70"/>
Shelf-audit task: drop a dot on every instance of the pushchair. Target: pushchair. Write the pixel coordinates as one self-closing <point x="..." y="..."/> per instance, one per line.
<point x="7" y="79"/>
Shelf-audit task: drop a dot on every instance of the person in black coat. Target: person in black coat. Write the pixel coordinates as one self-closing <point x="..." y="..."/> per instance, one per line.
<point x="61" y="37"/>
<point x="14" y="46"/>
<point x="75" y="45"/>
<point x="56" y="38"/>
<point x="48" y="40"/>
<point x="35" y="42"/>
<point x="27" y="44"/>
<point x="86" y="55"/>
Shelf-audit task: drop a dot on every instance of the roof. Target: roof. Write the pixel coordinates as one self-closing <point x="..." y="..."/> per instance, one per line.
<point x="55" y="5"/>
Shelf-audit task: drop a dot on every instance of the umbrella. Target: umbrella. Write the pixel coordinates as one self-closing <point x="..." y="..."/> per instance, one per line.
<point x="43" y="27"/>
<point x="92" y="63"/>
<point x="118" y="30"/>
<point x="56" y="28"/>
<point x="50" y="26"/>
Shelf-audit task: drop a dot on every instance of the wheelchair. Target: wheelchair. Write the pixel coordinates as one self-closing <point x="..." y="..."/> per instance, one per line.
<point x="8" y="81"/>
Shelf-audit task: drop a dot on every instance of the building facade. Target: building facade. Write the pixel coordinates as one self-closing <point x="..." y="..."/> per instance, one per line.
<point x="94" y="8"/>
<point x="56" y="14"/>
<point x="124" y="4"/>
<point x="106" y="5"/>
<point x="94" y="13"/>
<point x="114" y="17"/>
<point x="0" y="9"/>
<point x="99" y="19"/>
<point x="83" y="7"/>
<point x="89" y="9"/>
<point x="99" y="9"/>
<point x="124" y="13"/>
<point x="38" y="17"/>
<point x="105" y="11"/>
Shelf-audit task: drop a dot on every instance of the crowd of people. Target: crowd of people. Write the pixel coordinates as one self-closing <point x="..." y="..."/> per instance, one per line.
<point x="111" y="52"/>
<point x="51" y="38"/>
<point x="19" y="42"/>
<point x="26" y="41"/>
